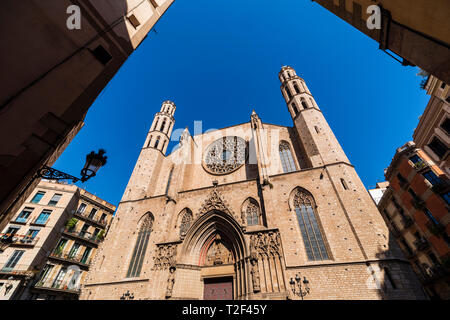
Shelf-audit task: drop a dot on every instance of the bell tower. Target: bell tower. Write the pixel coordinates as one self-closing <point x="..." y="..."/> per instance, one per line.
<point x="149" y="163"/>
<point x="159" y="135"/>
<point x="319" y="142"/>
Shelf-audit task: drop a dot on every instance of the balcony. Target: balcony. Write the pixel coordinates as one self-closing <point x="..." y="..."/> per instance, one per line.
<point x="421" y="244"/>
<point x="53" y="284"/>
<point x="18" y="240"/>
<point x="99" y="221"/>
<point x="18" y="270"/>
<point x="407" y="222"/>
<point x="83" y="235"/>
<point x="78" y="259"/>
<point x="420" y="165"/>
<point x="403" y="184"/>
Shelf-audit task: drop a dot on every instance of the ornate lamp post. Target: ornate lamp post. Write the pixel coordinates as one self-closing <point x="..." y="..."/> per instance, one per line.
<point x="94" y="161"/>
<point x="127" y="296"/>
<point x="297" y="287"/>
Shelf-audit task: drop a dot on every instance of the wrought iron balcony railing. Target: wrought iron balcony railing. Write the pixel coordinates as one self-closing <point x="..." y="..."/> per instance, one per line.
<point x="101" y="221"/>
<point x="83" y="235"/>
<point x="56" y="284"/>
<point x="18" y="239"/>
<point x="71" y="258"/>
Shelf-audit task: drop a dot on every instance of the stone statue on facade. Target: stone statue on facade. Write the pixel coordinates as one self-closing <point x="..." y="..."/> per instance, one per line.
<point x="255" y="275"/>
<point x="170" y="282"/>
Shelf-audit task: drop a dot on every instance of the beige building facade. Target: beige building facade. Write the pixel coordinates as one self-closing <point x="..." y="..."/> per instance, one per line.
<point x="49" y="244"/>
<point x="61" y="54"/>
<point x="250" y="211"/>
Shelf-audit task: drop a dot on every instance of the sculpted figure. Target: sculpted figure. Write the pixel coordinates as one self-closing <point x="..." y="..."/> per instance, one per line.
<point x="255" y="276"/>
<point x="170" y="282"/>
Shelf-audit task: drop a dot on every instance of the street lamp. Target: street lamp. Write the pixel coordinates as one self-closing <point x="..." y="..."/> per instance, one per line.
<point x="298" y="281"/>
<point x="94" y="161"/>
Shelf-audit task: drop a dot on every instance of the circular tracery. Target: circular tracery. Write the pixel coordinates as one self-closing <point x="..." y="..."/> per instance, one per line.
<point x="225" y="155"/>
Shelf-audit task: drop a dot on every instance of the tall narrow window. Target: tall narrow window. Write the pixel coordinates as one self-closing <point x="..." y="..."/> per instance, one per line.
<point x="252" y="213"/>
<point x="294" y="108"/>
<point x="313" y="239"/>
<point x="54" y="200"/>
<point x="43" y="217"/>
<point x="156" y="142"/>
<point x="24" y="215"/>
<point x="344" y="184"/>
<point x="156" y="124"/>
<point x="163" y="125"/>
<point x="45" y="274"/>
<point x="134" y="269"/>
<point x="297" y="90"/>
<point x="59" y="278"/>
<point x="432" y="177"/>
<point x="304" y="104"/>
<point x="169" y="180"/>
<point x="438" y="147"/>
<point x="81" y="208"/>
<point x="37" y="197"/>
<point x="12" y="261"/>
<point x="287" y="161"/>
<point x="288" y="92"/>
<point x="186" y="220"/>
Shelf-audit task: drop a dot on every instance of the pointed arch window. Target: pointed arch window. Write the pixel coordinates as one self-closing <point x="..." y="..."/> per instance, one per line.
<point x="287" y="161"/>
<point x="146" y="226"/>
<point x="163" y="125"/>
<point x="157" y="142"/>
<point x="288" y="92"/>
<point x="252" y="213"/>
<point x="294" y="108"/>
<point x="304" y="104"/>
<point x="186" y="221"/>
<point x="313" y="239"/>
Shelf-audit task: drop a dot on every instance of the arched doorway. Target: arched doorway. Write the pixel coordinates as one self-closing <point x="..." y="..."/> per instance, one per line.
<point x="215" y="244"/>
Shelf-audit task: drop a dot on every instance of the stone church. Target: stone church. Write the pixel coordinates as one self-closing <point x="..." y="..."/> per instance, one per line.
<point x="251" y="211"/>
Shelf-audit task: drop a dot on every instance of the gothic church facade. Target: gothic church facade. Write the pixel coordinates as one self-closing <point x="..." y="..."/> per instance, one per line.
<point x="252" y="211"/>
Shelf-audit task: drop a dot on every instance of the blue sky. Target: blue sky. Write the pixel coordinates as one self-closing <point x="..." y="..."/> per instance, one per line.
<point x="218" y="60"/>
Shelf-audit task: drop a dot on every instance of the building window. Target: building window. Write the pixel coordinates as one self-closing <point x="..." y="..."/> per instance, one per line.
<point x="60" y="247"/>
<point x="438" y="147"/>
<point x="287" y="161"/>
<point x="430" y="216"/>
<point x="297" y="90"/>
<point x="92" y="213"/>
<point x="156" y="142"/>
<point x="415" y="159"/>
<point x="134" y="269"/>
<point x="134" y="21"/>
<point x="85" y="256"/>
<point x="12" y="261"/>
<point x="37" y="197"/>
<point x="11" y="232"/>
<point x="45" y="274"/>
<point x="101" y="54"/>
<point x="42" y="219"/>
<point x="446" y="197"/>
<point x="295" y="109"/>
<point x="304" y="104"/>
<point x="163" y="125"/>
<point x="81" y="208"/>
<point x="288" y="92"/>
<point x="446" y="125"/>
<point x="54" y="200"/>
<point x="313" y="239"/>
<point x="252" y="213"/>
<point x="32" y="233"/>
<point x="59" y="278"/>
<point x="73" y="251"/>
<point x="103" y="218"/>
<point x="432" y="177"/>
<point x="186" y="221"/>
<point x="24" y="215"/>
<point x="344" y="184"/>
<point x="154" y="3"/>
